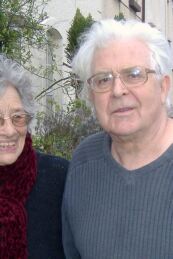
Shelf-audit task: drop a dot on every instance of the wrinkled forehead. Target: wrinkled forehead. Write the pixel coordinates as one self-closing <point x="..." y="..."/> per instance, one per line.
<point x="10" y="98"/>
<point x="118" y="54"/>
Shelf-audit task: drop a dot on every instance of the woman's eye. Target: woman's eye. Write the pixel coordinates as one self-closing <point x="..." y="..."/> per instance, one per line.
<point x="17" y="116"/>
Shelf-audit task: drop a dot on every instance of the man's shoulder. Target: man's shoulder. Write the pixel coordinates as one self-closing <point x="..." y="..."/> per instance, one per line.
<point x="93" y="141"/>
<point x="90" y="148"/>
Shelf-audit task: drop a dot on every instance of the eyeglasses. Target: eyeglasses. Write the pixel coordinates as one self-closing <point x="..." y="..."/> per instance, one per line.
<point x="18" y="119"/>
<point x="130" y="77"/>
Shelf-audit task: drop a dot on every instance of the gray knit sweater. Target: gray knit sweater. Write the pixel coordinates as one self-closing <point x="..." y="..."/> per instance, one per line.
<point x="112" y="213"/>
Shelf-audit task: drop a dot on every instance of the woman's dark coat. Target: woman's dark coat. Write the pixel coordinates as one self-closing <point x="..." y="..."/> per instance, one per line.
<point x="44" y="209"/>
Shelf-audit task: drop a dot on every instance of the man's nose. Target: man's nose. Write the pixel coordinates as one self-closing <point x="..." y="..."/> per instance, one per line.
<point x="118" y="87"/>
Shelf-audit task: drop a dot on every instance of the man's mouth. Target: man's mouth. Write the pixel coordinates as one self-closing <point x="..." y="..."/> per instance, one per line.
<point x="123" y="110"/>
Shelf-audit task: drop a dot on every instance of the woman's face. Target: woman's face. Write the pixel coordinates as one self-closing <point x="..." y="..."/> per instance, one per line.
<point x="12" y="138"/>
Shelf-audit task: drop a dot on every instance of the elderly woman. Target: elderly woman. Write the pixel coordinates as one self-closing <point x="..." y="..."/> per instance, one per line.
<point x="31" y="184"/>
<point x="118" y="200"/>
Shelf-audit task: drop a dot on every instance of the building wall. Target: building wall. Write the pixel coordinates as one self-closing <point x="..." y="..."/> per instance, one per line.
<point x="160" y="13"/>
<point x="61" y="13"/>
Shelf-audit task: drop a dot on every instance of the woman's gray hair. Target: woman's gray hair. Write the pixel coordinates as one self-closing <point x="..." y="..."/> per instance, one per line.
<point x="102" y="32"/>
<point x="14" y="74"/>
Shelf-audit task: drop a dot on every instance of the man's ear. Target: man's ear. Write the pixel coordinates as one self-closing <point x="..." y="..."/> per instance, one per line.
<point x="91" y="95"/>
<point x="165" y="86"/>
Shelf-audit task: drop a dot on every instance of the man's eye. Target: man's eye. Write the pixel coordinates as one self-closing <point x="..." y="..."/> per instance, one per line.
<point x="103" y="79"/>
<point x="135" y="74"/>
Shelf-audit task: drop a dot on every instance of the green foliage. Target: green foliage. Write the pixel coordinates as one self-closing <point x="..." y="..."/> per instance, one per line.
<point x="79" y="25"/>
<point x="119" y="17"/>
<point x="20" y="28"/>
<point x="62" y="131"/>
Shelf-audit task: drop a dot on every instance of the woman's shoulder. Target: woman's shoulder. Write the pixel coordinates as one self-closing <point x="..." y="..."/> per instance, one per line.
<point x="51" y="176"/>
<point x="51" y="169"/>
<point x="51" y="162"/>
<point x="44" y="207"/>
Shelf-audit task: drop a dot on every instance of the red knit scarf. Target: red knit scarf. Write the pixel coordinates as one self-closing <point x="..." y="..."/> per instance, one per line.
<point x="16" y="182"/>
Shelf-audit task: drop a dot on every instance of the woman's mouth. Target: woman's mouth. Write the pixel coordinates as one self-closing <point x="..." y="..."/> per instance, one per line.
<point x="7" y="147"/>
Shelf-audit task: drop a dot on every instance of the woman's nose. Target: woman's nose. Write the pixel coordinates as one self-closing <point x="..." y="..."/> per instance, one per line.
<point x="7" y="126"/>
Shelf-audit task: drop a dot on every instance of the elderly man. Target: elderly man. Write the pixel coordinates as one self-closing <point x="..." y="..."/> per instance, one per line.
<point x="118" y="201"/>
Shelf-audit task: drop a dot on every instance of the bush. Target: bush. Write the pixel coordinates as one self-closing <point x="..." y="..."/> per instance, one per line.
<point x="60" y="132"/>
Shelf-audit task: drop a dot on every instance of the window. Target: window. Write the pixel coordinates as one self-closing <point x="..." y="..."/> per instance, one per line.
<point x="135" y="6"/>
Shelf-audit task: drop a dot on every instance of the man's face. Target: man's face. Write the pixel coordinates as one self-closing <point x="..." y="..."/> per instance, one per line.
<point x="124" y="111"/>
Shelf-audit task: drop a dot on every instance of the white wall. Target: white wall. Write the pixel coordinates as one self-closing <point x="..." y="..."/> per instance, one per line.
<point x="61" y="13"/>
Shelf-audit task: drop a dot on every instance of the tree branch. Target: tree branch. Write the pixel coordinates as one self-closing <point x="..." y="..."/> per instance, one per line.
<point x="45" y="90"/>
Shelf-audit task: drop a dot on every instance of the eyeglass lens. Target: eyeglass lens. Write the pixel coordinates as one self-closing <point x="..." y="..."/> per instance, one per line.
<point x="17" y="119"/>
<point x="130" y="77"/>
